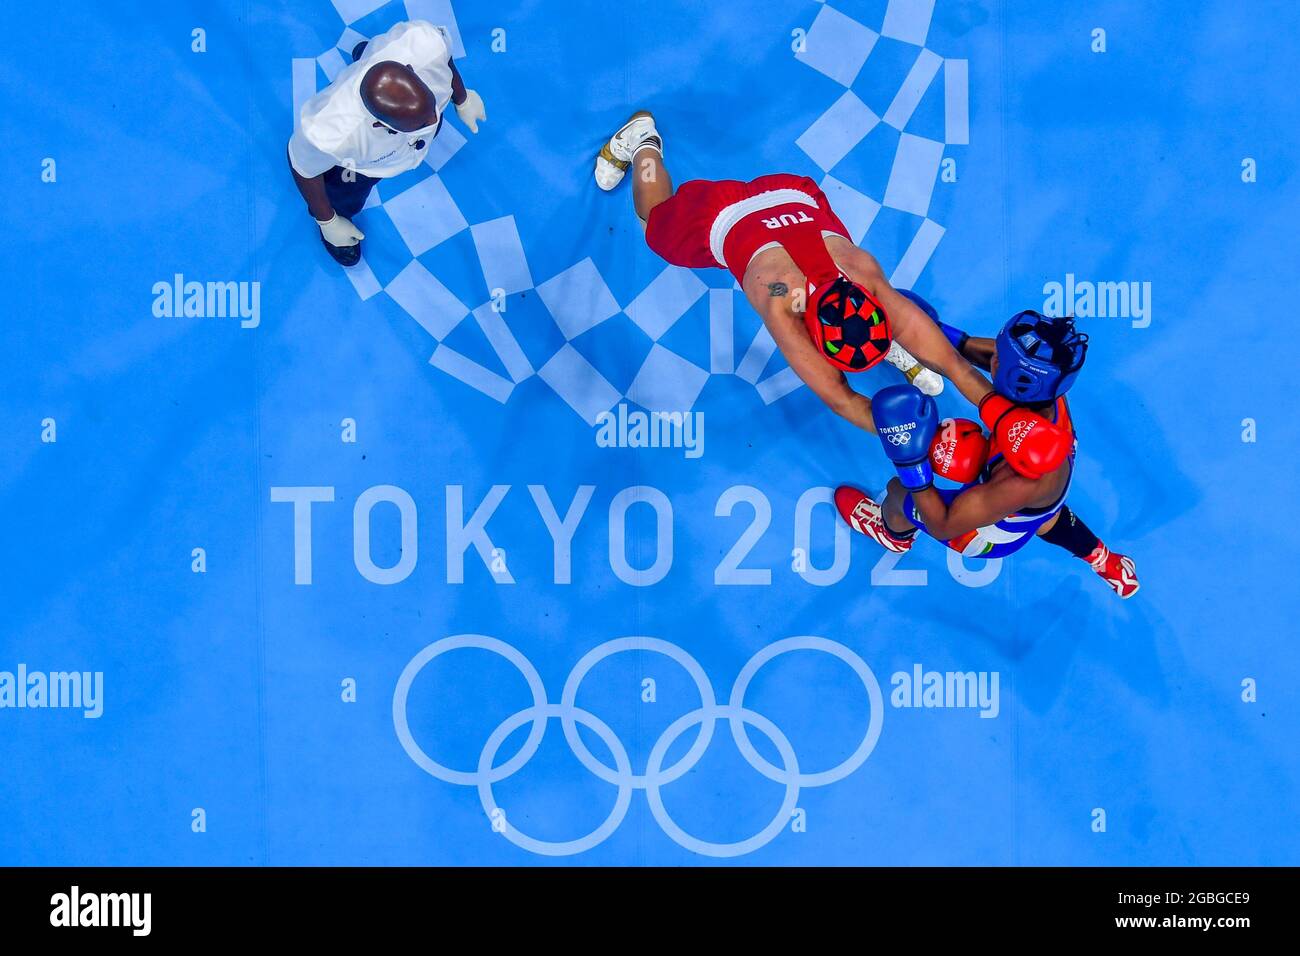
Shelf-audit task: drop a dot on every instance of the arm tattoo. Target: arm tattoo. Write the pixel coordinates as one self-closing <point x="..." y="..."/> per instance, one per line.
<point x="777" y="289"/>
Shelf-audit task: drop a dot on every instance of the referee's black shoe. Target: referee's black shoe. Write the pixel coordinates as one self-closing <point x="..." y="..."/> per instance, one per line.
<point x="343" y="255"/>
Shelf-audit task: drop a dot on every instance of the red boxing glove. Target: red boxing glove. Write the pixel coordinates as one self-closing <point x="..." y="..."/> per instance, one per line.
<point x="1031" y="444"/>
<point x="959" y="450"/>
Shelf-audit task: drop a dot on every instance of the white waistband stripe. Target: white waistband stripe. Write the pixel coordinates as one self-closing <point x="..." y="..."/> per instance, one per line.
<point x="730" y="215"/>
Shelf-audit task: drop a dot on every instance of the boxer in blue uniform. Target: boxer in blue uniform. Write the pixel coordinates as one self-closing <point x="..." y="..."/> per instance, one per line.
<point x="1004" y="501"/>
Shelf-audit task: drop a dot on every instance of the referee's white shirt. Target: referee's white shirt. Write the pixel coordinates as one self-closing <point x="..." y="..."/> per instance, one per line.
<point x="334" y="127"/>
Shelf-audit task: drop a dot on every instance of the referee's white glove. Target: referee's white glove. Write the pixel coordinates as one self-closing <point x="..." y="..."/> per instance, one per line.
<point x="339" y="231"/>
<point x="471" y="112"/>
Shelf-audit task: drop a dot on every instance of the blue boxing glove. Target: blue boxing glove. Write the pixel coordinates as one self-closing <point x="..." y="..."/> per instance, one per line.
<point x="956" y="336"/>
<point x="906" y="421"/>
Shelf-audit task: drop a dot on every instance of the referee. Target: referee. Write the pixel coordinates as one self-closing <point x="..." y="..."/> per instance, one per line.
<point x="374" y="121"/>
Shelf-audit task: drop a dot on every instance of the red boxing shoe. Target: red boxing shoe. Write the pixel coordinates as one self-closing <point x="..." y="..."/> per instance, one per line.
<point x="862" y="514"/>
<point x="1116" y="570"/>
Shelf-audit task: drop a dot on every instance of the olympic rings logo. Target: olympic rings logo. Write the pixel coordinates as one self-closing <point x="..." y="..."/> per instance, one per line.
<point x="899" y="438"/>
<point x="656" y="775"/>
<point x="1017" y="432"/>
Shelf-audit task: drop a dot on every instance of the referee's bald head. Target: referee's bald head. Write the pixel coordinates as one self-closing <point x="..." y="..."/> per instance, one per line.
<point x="397" y="97"/>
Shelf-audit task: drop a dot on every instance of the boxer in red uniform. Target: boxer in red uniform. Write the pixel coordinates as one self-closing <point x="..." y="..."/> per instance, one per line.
<point x="826" y="303"/>
<point x="1001" y="506"/>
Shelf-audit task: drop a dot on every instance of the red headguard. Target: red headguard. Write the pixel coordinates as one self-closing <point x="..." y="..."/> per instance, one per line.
<point x="847" y="324"/>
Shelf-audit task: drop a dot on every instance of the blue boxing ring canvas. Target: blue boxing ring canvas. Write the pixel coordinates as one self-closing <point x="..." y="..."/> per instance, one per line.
<point x="385" y="564"/>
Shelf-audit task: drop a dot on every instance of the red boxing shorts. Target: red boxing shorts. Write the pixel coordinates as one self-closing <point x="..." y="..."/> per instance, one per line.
<point x="691" y="228"/>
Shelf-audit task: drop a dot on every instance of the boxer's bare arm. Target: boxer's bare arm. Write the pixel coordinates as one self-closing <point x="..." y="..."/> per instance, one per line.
<point x="977" y="506"/>
<point x="1005" y="493"/>
<point x="770" y="293"/>
<point x="912" y="328"/>
<point x="979" y="352"/>
<point x="920" y="336"/>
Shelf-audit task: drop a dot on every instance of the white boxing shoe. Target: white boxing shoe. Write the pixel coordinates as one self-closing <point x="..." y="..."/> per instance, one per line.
<point x="616" y="155"/>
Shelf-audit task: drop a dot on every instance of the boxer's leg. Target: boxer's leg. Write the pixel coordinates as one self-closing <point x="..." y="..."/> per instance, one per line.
<point x="896" y="521"/>
<point x="651" y="183"/>
<point x="1066" y="530"/>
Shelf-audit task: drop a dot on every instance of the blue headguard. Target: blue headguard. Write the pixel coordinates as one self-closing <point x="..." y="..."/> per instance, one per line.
<point x="1038" y="357"/>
